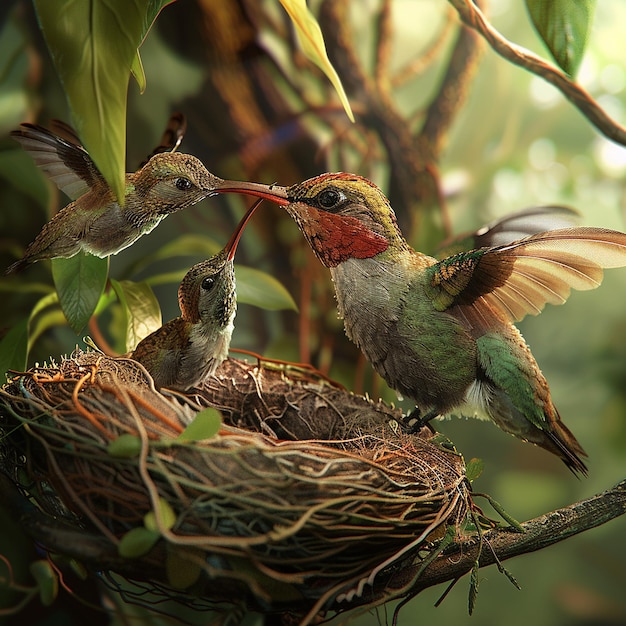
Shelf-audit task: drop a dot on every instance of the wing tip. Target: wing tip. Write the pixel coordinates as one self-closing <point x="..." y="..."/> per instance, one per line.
<point x="16" y="267"/>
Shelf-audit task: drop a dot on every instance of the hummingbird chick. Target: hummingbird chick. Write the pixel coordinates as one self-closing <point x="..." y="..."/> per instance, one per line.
<point x="441" y="331"/>
<point x="95" y="222"/>
<point x="189" y="348"/>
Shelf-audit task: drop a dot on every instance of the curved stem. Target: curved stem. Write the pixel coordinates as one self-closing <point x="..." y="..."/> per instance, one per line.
<point x="472" y="16"/>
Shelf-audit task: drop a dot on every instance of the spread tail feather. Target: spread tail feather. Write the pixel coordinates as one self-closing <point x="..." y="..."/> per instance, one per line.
<point x="567" y="447"/>
<point x="550" y="433"/>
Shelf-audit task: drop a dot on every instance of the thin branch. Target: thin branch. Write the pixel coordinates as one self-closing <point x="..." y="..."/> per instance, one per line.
<point x="472" y="16"/>
<point x="384" y="44"/>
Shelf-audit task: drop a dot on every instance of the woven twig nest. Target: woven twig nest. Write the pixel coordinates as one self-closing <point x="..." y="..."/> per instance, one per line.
<point x="306" y="497"/>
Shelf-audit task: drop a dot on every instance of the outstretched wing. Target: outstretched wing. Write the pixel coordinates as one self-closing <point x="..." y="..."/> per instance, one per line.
<point x="519" y="278"/>
<point x="61" y="157"/>
<point x="511" y="227"/>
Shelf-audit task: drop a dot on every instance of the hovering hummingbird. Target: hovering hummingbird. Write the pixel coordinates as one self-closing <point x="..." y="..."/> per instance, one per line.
<point x="183" y="352"/>
<point x="441" y="332"/>
<point x="94" y="221"/>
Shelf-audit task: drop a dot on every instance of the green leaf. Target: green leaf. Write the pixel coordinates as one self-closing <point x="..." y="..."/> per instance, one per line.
<point x="182" y="572"/>
<point x="505" y="516"/>
<point x="166" y="278"/>
<point x="15" y="70"/>
<point x="141" y="310"/>
<point x="474" y="469"/>
<point x="45" y="314"/>
<point x="79" y="569"/>
<point x="94" y="46"/>
<point x="166" y="514"/>
<point x="16" y="285"/>
<point x="18" y="169"/>
<point x="137" y="542"/>
<point x="253" y="287"/>
<point x="79" y="282"/>
<point x="47" y="581"/>
<point x="564" y="26"/>
<point x="311" y="40"/>
<point x="126" y="446"/>
<point x="262" y="290"/>
<point x="136" y="70"/>
<point x="186" y="245"/>
<point x="204" y="425"/>
<point x="14" y="349"/>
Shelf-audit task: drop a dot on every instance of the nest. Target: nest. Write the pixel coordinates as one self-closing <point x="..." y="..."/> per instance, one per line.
<point x="306" y="498"/>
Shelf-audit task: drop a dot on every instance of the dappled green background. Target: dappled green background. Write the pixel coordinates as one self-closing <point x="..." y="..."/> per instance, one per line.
<point x="516" y="143"/>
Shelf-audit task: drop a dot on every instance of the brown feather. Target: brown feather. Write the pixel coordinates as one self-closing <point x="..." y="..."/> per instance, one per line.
<point x="67" y="164"/>
<point x="520" y="278"/>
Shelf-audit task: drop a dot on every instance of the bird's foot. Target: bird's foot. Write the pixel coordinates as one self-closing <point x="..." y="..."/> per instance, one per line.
<point x="415" y="421"/>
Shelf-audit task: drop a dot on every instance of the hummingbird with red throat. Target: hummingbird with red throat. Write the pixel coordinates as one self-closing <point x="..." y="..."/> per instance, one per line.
<point x="95" y="221"/>
<point x="441" y="332"/>
<point x="189" y="348"/>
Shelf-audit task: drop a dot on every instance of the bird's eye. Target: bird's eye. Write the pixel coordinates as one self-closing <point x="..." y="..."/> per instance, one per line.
<point x="330" y="198"/>
<point x="184" y="184"/>
<point x="207" y="283"/>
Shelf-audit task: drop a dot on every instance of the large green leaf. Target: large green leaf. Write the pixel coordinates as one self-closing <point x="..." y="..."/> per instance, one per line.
<point x="94" y="45"/>
<point x="79" y="282"/>
<point x="15" y="68"/>
<point x="137" y="542"/>
<point x="262" y="290"/>
<point x="14" y="349"/>
<point x="141" y="308"/>
<point x="45" y="314"/>
<point x="564" y="26"/>
<point x="18" y="169"/>
<point x="185" y="245"/>
<point x="312" y="42"/>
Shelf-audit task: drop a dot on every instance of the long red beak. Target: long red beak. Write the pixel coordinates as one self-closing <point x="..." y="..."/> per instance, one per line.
<point x="273" y="193"/>
<point x="231" y="246"/>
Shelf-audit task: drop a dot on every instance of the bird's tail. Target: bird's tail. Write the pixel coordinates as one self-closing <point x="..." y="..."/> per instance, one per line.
<point x="549" y="433"/>
<point x="565" y="445"/>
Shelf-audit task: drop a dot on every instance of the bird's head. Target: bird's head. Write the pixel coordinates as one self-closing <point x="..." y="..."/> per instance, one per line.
<point x="341" y="215"/>
<point x="171" y="181"/>
<point x="207" y="293"/>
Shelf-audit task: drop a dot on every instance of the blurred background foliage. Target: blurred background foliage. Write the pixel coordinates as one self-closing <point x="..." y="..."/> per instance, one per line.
<point x="258" y="110"/>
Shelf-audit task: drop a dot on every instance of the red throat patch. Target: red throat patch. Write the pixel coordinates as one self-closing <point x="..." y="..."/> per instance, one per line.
<point x="337" y="238"/>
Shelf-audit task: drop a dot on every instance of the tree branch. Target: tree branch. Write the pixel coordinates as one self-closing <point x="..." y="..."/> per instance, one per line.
<point x="472" y="16"/>
<point x="414" y="187"/>
<point x="501" y="544"/>
<point x="451" y="95"/>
